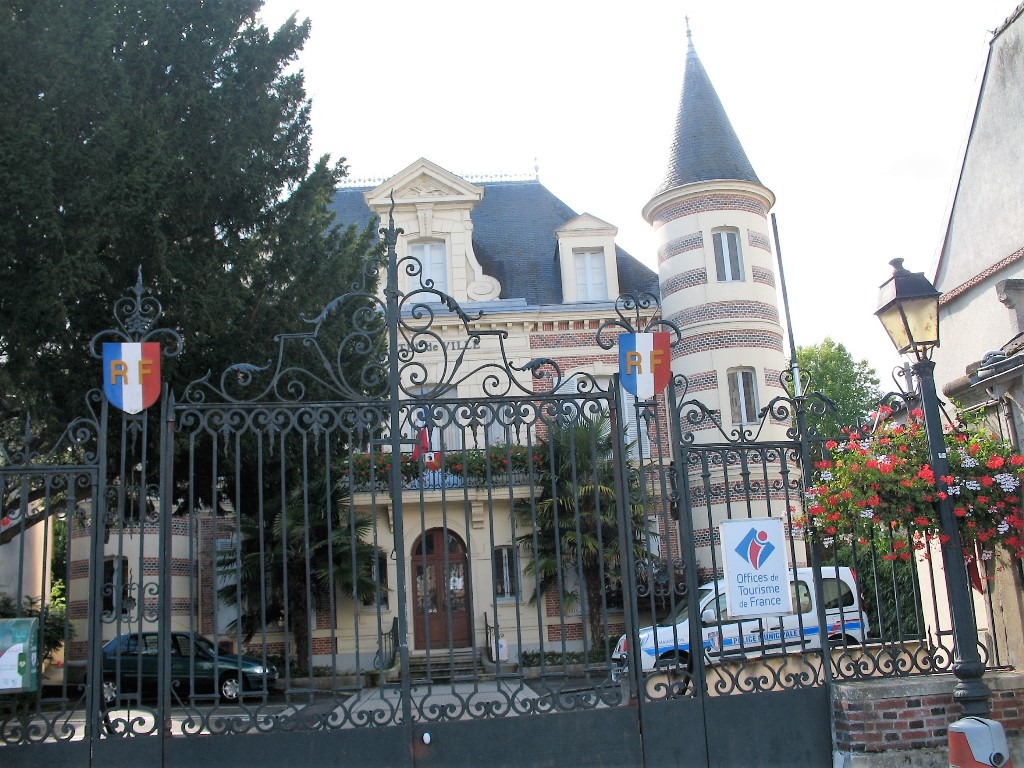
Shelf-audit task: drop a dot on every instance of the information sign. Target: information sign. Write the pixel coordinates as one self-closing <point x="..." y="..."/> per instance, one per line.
<point x="756" y="570"/>
<point x="19" y="639"/>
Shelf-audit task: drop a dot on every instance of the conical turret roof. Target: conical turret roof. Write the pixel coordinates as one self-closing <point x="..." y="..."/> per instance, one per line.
<point x="704" y="146"/>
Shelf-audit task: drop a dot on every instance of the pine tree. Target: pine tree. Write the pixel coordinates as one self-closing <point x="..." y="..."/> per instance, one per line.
<point x="174" y="136"/>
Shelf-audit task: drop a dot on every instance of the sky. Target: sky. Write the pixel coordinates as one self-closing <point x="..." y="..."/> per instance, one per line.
<point x="854" y="114"/>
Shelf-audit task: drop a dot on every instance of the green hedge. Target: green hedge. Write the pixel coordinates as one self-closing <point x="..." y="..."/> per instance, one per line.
<point x="557" y="658"/>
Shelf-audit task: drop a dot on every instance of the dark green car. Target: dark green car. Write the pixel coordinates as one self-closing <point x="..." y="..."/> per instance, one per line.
<point x="131" y="665"/>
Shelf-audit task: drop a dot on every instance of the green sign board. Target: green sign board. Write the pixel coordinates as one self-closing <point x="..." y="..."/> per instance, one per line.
<point x="19" y="652"/>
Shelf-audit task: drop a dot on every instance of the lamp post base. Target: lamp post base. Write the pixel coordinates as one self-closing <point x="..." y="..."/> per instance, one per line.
<point x="977" y="741"/>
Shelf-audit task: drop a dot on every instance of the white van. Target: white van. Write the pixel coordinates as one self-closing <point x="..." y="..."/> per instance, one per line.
<point x="728" y="638"/>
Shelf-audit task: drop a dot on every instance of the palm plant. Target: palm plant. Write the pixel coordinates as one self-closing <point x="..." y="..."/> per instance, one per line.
<point x="571" y="543"/>
<point x="289" y="557"/>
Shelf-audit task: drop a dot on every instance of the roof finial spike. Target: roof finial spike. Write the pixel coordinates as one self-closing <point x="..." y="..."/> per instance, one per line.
<point x="689" y="36"/>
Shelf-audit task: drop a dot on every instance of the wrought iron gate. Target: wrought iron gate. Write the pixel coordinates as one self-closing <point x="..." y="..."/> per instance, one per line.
<point x="395" y="546"/>
<point x="756" y="691"/>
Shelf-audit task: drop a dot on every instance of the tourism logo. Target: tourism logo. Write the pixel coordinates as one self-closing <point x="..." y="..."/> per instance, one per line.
<point x="755" y="548"/>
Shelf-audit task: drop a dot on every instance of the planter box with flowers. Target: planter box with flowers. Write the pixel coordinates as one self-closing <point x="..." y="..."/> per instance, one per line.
<point x="496" y="465"/>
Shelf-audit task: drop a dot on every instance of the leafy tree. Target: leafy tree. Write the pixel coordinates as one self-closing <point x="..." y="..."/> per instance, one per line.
<point x="888" y="586"/>
<point x="287" y="561"/>
<point x="574" y="520"/>
<point x="171" y="135"/>
<point x="851" y="385"/>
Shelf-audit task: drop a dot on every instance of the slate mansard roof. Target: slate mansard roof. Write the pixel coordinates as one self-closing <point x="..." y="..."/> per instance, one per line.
<point x="704" y="145"/>
<point x="514" y="239"/>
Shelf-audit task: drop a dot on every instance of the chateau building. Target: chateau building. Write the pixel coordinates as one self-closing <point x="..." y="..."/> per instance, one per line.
<point x="543" y="278"/>
<point x="548" y="277"/>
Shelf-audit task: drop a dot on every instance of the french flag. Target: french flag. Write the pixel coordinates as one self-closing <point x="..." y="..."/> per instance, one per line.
<point x="645" y="363"/>
<point x="131" y="374"/>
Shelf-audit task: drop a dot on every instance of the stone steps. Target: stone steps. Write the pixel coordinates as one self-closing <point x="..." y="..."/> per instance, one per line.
<point x="444" y="666"/>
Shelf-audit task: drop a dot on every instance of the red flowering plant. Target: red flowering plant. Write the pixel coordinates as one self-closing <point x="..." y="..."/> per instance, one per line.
<point x="876" y="485"/>
<point x="474" y="465"/>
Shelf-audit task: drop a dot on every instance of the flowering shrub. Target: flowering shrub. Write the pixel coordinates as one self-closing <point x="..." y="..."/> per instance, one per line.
<point x="880" y="482"/>
<point x="471" y="464"/>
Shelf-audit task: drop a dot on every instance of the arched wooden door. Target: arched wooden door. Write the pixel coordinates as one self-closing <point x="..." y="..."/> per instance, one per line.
<point x="440" y="580"/>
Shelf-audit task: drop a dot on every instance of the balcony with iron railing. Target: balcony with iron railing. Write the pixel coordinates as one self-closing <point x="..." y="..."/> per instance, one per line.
<point x="500" y="465"/>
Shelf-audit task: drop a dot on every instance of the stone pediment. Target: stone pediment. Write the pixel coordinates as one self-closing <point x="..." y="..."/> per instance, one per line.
<point x="426" y="186"/>
<point x="424" y="182"/>
<point x="586" y="224"/>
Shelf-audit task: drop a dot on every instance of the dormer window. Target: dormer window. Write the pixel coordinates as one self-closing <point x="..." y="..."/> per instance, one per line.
<point x="728" y="262"/>
<point x="431" y="256"/>
<point x="591" y="278"/>
<point x="586" y="259"/>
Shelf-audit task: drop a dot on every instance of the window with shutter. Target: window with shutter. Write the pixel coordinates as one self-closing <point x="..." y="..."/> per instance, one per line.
<point x="506" y="574"/>
<point x="637" y="437"/>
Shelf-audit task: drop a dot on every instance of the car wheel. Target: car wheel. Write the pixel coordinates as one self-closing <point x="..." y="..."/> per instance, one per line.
<point x="843" y="640"/>
<point x="670" y="677"/>
<point x="109" y="692"/>
<point x="230" y="687"/>
<point x="677" y="668"/>
<point x="673" y="661"/>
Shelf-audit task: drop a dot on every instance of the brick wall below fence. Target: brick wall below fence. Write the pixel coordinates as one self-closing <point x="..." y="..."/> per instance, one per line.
<point x="905" y="721"/>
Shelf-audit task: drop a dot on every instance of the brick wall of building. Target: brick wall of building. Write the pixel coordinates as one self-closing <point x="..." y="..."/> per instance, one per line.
<point x="559" y="632"/>
<point x="763" y="276"/>
<point x="713" y="202"/>
<point x="725" y="311"/>
<point x="689" y="242"/>
<point x="752" y="338"/>
<point x="687" y="279"/>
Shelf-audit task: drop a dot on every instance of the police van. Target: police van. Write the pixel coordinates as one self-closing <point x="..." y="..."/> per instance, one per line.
<point x="726" y="638"/>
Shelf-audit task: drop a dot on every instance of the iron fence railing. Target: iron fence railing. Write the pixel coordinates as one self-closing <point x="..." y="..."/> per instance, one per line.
<point x="387" y="649"/>
<point x="281" y="560"/>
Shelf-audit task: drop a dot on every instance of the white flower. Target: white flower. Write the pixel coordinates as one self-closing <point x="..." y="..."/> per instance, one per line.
<point x="1007" y="481"/>
<point x="966" y="459"/>
<point x="867" y="513"/>
<point x="826" y="476"/>
<point x="986" y="554"/>
<point x="1003" y="527"/>
<point x="972" y="485"/>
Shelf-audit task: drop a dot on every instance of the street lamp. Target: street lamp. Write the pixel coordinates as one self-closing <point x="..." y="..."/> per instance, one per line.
<point x="908" y="306"/>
